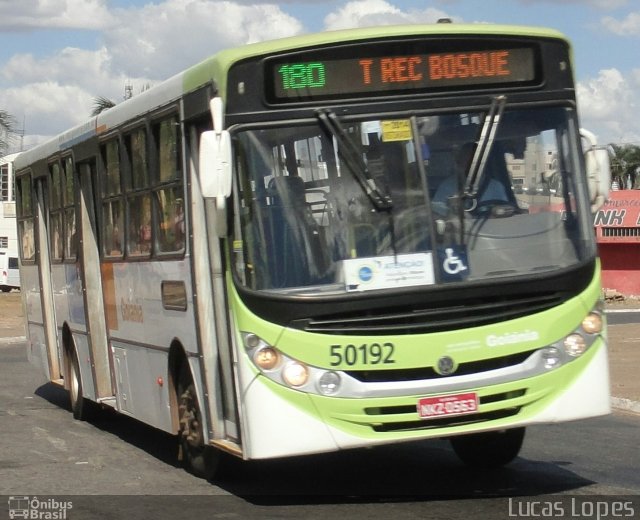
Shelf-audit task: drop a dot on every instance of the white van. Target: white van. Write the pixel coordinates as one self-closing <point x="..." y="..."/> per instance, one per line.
<point x="9" y="271"/>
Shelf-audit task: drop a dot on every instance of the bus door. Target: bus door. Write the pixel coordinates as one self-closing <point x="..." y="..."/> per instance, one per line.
<point x="214" y="321"/>
<point x="92" y="283"/>
<point x="43" y="259"/>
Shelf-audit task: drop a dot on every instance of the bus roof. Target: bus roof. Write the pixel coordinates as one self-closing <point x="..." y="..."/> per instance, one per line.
<point x="216" y="67"/>
<point x="218" y="64"/>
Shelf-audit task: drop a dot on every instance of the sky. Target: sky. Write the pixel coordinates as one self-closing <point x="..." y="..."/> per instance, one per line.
<point x="56" y="56"/>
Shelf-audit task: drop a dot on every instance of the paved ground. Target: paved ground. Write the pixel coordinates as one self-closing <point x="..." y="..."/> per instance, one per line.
<point x="11" y="315"/>
<point x="624" y="347"/>
<point x="624" y="362"/>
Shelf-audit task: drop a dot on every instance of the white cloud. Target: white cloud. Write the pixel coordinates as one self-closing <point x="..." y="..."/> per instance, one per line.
<point x="141" y="46"/>
<point x="150" y="43"/>
<point x="175" y="34"/>
<point x="79" y="64"/>
<point x="54" y="14"/>
<point x="600" y="4"/>
<point x="367" y="13"/>
<point x="74" y="77"/>
<point x="628" y="26"/>
<point x="609" y="105"/>
<point x="45" y="107"/>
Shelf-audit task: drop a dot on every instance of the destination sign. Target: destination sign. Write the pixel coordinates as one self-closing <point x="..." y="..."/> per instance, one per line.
<point x="398" y="74"/>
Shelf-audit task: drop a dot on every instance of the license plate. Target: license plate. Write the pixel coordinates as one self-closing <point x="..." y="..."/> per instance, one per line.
<point x="447" y="405"/>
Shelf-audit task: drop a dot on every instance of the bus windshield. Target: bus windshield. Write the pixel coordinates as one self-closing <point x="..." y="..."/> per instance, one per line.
<point x="306" y="224"/>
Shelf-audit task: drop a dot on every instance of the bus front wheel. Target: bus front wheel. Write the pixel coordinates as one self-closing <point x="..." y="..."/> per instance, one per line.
<point x="488" y="449"/>
<point x="198" y="458"/>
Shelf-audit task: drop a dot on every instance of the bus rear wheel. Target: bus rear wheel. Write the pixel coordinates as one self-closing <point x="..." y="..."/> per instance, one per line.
<point x="488" y="449"/>
<point x="199" y="459"/>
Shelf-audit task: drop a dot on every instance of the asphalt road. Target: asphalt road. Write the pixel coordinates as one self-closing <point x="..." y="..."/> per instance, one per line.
<point x="130" y="470"/>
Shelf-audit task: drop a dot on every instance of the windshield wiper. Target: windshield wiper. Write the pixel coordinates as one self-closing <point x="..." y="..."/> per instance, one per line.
<point x="380" y="199"/>
<point x="485" y="143"/>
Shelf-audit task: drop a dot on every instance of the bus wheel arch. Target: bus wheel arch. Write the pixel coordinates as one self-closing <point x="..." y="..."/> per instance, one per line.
<point x="177" y="358"/>
<point x="197" y="457"/>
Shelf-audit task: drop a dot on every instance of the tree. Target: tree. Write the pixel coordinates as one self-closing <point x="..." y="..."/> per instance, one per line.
<point x="625" y="165"/>
<point x="100" y="104"/>
<point x="7" y="124"/>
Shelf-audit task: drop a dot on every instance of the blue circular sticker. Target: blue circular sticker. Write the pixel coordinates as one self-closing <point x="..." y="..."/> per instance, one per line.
<point x="365" y="273"/>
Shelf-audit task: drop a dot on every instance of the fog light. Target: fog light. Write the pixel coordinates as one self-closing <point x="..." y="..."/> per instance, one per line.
<point x="551" y="357"/>
<point x="574" y="345"/>
<point x="592" y="324"/>
<point x="266" y="358"/>
<point x="329" y="383"/>
<point x="295" y="374"/>
<point x="251" y="341"/>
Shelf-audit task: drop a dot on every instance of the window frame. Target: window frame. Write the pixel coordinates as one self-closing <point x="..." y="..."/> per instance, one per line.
<point x="131" y="191"/>
<point x="55" y="211"/>
<point x="110" y="194"/>
<point x="23" y="216"/>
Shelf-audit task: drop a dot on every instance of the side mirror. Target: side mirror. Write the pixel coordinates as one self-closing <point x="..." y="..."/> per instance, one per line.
<point x="598" y="170"/>
<point x="215" y="159"/>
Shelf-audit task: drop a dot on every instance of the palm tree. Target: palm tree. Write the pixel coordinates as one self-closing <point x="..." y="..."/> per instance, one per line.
<point x="7" y="124"/>
<point x="625" y="165"/>
<point x="100" y="104"/>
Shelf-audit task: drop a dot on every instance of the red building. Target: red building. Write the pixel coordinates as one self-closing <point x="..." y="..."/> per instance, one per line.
<point x="617" y="226"/>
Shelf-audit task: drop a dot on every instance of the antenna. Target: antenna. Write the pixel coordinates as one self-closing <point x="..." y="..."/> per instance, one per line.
<point x="128" y="91"/>
<point x="21" y="134"/>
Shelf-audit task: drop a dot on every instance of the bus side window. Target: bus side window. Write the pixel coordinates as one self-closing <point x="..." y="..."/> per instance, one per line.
<point x="55" y="217"/>
<point x="113" y="238"/>
<point x="169" y="199"/>
<point x="25" y="219"/>
<point x="139" y="235"/>
<point x="171" y="230"/>
<point x="139" y="239"/>
<point x="68" y="200"/>
<point x="112" y="204"/>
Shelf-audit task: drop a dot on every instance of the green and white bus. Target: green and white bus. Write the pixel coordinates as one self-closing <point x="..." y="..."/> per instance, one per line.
<point x="331" y="241"/>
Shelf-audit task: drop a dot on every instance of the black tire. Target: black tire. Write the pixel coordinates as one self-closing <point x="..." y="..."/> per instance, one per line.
<point x="488" y="449"/>
<point x="200" y="460"/>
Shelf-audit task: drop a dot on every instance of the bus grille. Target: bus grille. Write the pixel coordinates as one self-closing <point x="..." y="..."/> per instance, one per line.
<point x="417" y="374"/>
<point x="430" y="424"/>
<point x="433" y="318"/>
<point x="443" y="422"/>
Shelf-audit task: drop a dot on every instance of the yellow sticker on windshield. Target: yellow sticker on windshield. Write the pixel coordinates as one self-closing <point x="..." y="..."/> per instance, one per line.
<point x="396" y="130"/>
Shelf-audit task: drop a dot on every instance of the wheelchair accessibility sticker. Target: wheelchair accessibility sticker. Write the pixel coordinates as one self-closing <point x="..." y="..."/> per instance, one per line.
<point x="454" y="264"/>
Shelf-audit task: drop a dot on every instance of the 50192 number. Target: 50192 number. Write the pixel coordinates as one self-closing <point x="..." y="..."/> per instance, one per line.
<point x="365" y="354"/>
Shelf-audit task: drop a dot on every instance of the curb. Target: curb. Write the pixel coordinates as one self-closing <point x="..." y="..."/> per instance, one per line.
<point x="12" y="341"/>
<point x="626" y="405"/>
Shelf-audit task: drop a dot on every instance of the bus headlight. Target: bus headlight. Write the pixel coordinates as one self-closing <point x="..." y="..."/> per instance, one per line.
<point x="574" y="345"/>
<point x="251" y="340"/>
<point x="295" y="374"/>
<point x="266" y="358"/>
<point x="592" y="324"/>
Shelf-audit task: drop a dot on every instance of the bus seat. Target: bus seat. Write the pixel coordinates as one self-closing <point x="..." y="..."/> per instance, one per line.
<point x="295" y="234"/>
